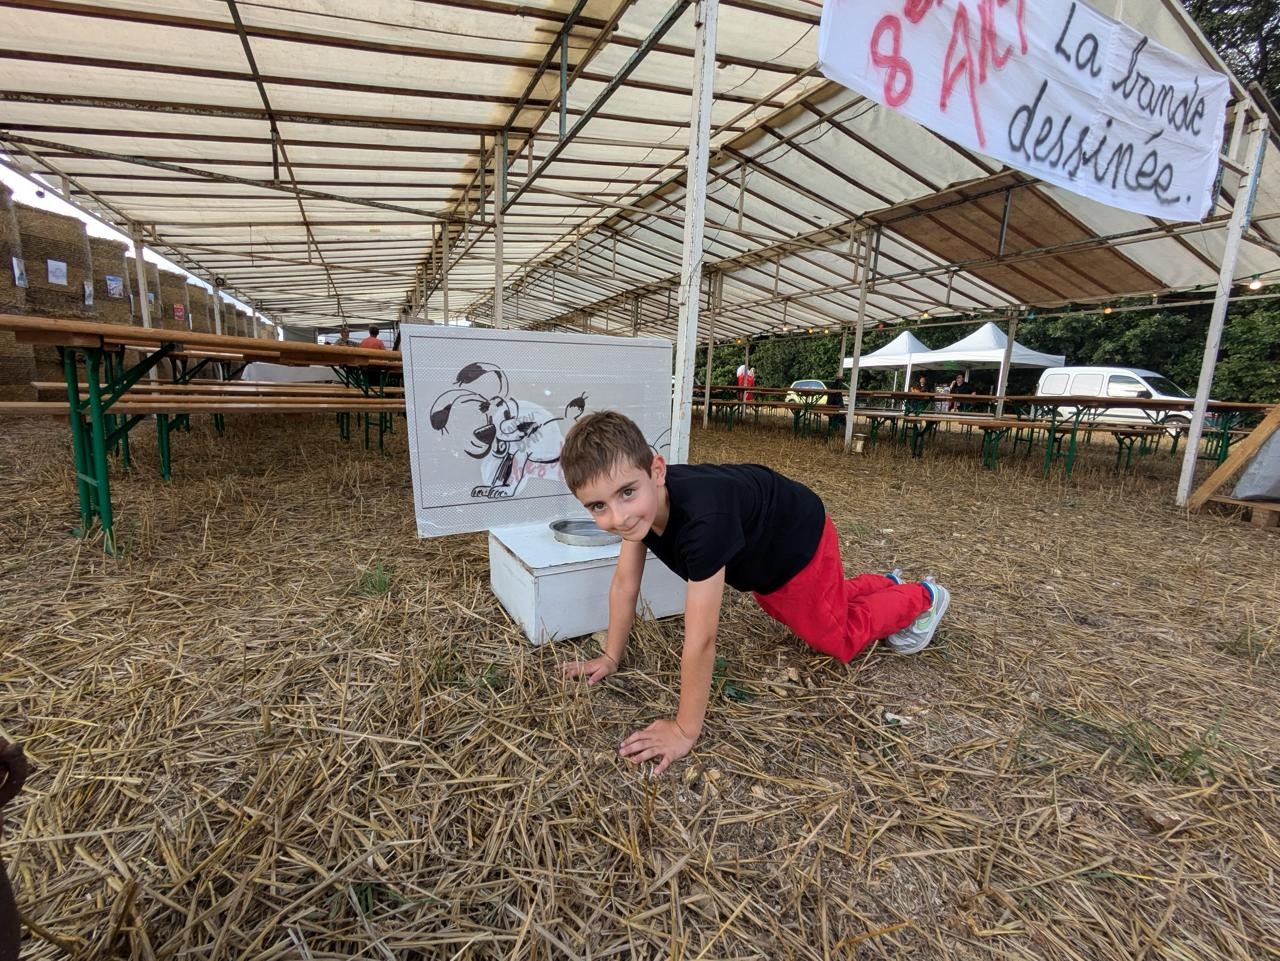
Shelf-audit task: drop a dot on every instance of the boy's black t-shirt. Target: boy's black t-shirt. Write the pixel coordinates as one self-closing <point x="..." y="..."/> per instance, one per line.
<point x="761" y="527"/>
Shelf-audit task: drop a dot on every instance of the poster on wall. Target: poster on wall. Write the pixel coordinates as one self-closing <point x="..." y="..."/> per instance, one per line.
<point x="1052" y="88"/>
<point x="179" y="312"/>
<point x="115" y="287"/>
<point x="151" y="296"/>
<point x="19" y="272"/>
<point x="57" y="272"/>
<point x="488" y="411"/>
<point x="88" y="293"/>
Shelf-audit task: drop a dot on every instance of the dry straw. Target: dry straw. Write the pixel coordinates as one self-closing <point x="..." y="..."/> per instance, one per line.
<point x="173" y="294"/>
<point x="13" y="299"/>
<point x="109" y="260"/>
<point x="17" y="362"/>
<point x="49" y="238"/>
<point x="201" y="308"/>
<point x="280" y="726"/>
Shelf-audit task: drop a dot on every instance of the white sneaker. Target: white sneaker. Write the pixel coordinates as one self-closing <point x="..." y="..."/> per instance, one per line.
<point x="916" y="637"/>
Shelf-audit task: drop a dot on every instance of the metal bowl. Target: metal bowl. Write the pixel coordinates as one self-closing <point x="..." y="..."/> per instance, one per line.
<point x="577" y="532"/>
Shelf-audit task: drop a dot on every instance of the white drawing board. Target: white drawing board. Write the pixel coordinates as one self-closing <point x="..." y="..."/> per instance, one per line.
<point x="488" y="411"/>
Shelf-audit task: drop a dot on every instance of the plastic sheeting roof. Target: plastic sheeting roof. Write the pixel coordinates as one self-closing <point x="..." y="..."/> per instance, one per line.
<point x="318" y="158"/>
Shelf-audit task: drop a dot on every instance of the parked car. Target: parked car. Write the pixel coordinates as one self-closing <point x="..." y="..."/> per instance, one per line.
<point x="1117" y="382"/>
<point x="794" y="398"/>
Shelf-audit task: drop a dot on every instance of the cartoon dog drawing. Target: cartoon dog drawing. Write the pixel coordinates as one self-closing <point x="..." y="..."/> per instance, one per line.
<point x="510" y="435"/>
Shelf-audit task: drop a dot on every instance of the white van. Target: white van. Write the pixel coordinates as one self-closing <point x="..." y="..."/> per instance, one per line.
<point x="1117" y="382"/>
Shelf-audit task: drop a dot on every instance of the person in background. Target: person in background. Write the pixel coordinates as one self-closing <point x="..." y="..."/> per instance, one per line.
<point x="921" y="386"/>
<point x="749" y="380"/>
<point x="344" y="337"/>
<point x="373" y="341"/>
<point x="961" y="386"/>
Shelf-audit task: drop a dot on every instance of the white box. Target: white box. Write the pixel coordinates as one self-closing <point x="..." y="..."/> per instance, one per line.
<point x="557" y="591"/>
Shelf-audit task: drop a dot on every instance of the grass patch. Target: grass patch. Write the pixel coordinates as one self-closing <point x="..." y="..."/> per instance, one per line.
<point x="724" y="687"/>
<point x="1134" y="744"/>
<point x="375" y="581"/>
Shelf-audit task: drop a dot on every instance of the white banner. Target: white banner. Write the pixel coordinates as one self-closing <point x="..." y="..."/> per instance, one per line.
<point x="1051" y="87"/>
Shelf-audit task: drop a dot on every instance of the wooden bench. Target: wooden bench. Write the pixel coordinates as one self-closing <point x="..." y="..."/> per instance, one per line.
<point x="230" y="388"/>
<point x="110" y="387"/>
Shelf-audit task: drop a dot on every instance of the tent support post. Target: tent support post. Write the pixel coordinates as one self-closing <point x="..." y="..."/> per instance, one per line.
<point x="717" y="288"/>
<point x="1240" y="215"/>
<point x="695" y="204"/>
<point x="867" y="249"/>
<point x="1003" y="380"/>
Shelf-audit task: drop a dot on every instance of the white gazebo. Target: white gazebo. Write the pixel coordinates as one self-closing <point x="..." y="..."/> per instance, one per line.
<point x="985" y="347"/>
<point x="988" y="346"/>
<point x="899" y="352"/>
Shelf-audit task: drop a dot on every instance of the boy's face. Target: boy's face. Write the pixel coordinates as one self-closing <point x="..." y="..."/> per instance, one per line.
<point x="628" y="501"/>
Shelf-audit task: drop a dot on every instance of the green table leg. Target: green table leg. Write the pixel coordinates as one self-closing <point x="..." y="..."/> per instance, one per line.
<point x="97" y="426"/>
<point x="79" y="445"/>
<point x="162" y="445"/>
<point x="1071" y="447"/>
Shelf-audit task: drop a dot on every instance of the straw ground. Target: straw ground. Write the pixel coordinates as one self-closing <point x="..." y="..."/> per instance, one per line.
<point x="281" y="726"/>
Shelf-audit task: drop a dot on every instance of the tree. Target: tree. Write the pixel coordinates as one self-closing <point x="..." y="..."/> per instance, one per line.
<point x="1247" y="35"/>
<point x="1171" y="342"/>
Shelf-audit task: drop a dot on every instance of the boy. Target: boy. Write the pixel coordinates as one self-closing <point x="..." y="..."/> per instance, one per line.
<point x="741" y="525"/>
<point x="373" y="341"/>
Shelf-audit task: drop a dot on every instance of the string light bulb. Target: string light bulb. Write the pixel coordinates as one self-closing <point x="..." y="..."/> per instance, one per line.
<point x="1255" y="284"/>
<point x="1107" y="309"/>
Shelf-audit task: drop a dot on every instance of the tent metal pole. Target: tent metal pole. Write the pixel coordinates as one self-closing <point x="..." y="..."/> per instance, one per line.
<point x="144" y="304"/>
<point x="695" y="204"/>
<point x="717" y="286"/>
<point x="1003" y="380"/>
<point x="444" y="270"/>
<point x="844" y="343"/>
<point x="141" y="266"/>
<point x="1240" y="215"/>
<point x="500" y="203"/>
<point x="867" y="251"/>
<point x="217" y="306"/>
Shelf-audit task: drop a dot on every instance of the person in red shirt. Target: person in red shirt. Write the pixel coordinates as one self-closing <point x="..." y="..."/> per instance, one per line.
<point x="373" y="341"/>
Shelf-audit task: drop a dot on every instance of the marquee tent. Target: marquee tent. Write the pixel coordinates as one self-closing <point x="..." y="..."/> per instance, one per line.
<point x="897" y="353"/>
<point x="985" y="347"/>
<point x="584" y="165"/>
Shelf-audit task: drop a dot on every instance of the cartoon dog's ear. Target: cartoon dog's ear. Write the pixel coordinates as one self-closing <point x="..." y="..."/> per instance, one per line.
<point x="440" y="418"/>
<point x="470" y="373"/>
<point x="443" y="406"/>
<point x="473" y="372"/>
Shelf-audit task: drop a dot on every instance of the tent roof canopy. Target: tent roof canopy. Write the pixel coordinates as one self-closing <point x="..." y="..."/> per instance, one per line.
<point x="985" y="348"/>
<point x="897" y="353"/>
<point x="335" y="161"/>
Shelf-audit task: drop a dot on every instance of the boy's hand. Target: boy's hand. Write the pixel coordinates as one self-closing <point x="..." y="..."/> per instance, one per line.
<point x="662" y="739"/>
<point x="594" y="670"/>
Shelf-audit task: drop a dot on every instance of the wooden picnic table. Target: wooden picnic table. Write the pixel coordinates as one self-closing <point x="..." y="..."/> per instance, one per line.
<point x="1063" y="420"/>
<point x="114" y="398"/>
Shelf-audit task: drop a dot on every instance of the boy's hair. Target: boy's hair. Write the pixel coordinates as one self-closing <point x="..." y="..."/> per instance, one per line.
<point x="373" y="330"/>
<point x="598" y="443"/>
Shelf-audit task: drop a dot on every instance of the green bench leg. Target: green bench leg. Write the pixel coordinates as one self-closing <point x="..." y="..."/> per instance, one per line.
<point x="97" y="427"/>
<point x="79" y="442"/>
<point x="162" y="445"/>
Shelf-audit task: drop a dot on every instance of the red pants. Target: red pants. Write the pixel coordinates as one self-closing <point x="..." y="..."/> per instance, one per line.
<point x="837" y="616"/>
